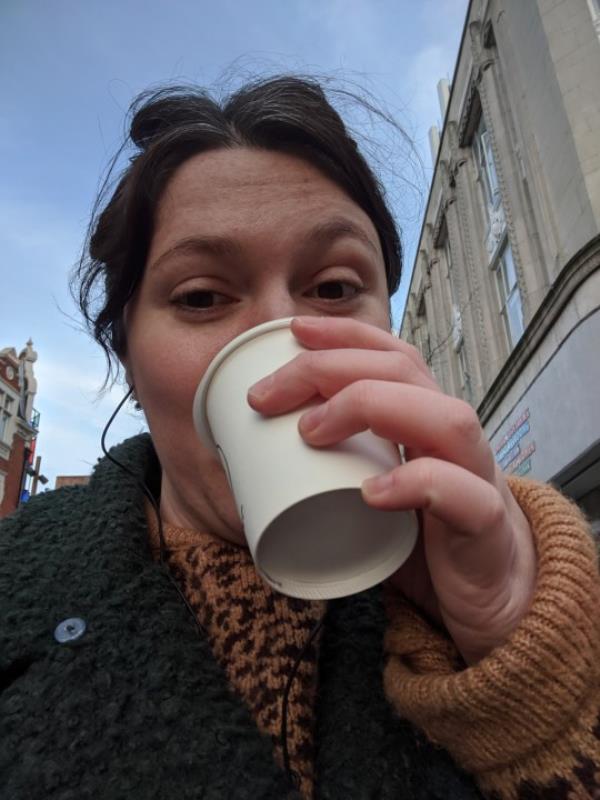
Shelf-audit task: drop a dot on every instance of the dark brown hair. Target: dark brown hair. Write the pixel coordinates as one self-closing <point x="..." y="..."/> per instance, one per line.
<point x="168" y="126"/>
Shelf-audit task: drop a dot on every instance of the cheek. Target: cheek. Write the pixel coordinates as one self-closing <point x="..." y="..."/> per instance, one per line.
<point x="379" y="315"/>
<point x="166" y="371"/>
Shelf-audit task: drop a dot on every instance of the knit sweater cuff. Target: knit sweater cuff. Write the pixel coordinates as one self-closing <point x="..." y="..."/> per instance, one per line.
<point x="530" y="692"/>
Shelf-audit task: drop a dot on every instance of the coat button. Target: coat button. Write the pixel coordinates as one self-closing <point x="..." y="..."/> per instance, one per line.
<point x="69" y="630"/>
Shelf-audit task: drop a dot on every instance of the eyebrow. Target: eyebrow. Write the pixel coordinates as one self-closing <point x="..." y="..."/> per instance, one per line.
<point x="323" y="234"/>
<point x="328" y="232"/>
<point x="220" y="246"/>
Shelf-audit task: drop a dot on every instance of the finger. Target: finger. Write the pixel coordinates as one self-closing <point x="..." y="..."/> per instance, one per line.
<point x="332" y="333"/>
<point x="480" y="570"/>
<point x="430" y="422"/>
<point x="323" y="373"/>
<point x="464" y="502"/>
<point x="473" y="547"/>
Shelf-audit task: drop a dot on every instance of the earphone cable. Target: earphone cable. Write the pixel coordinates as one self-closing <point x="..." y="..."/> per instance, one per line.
<point x="201" y="631"/>
<point x="152" y="500"/>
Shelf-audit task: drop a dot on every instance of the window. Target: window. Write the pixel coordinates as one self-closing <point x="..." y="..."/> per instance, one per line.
<point x="2" y="486"/>
<point x="426" y="348"/>
<point x="450" y="275"/>
<point x="4" y="417"/>
<point x="6" y="404"/>
<point x="422" y="337"/>
<point x="456" y="312"/>
<point x="595" y="13"/>
<point x="463" y="373"/>
<point x="482" y="148"/>
<point x="448" y="256"/>
<point x="509" y="295"/>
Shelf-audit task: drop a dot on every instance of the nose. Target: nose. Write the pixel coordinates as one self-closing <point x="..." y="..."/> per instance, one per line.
<point x="273" y="303"/>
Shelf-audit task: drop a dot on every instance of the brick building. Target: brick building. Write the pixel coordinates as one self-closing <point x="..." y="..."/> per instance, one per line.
<point x="18" y="422"/>
<point x="504" y="301"/>
<point x="71" y="480"/>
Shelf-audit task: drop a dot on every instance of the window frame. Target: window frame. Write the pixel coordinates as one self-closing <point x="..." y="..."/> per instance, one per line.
<point x="7" y="403"/>
<point x="487" y="171"/>
<point x="463" y="371"/>
<point x="507" y="292"/>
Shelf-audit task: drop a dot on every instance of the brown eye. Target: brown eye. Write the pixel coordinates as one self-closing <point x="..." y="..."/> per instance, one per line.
<point x="335" y="290"/>
<point x="201" y="299"/>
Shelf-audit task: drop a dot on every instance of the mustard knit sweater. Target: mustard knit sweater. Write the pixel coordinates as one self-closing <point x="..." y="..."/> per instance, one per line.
<point x="524" y="721"/>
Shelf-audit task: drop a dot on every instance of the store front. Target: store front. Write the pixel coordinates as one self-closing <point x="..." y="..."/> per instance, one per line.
<point x="547" y="426"/>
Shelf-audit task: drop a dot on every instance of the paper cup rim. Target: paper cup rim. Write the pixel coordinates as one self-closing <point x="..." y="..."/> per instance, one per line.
<point x="199" y="406"/>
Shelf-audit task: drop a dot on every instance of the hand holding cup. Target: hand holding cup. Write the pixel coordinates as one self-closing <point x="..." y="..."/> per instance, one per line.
<point x="306" y="523"/>
<point x="474" y="568"/>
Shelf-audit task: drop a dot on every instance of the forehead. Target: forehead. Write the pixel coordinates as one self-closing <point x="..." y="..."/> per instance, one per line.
<point x="231" y="190"/>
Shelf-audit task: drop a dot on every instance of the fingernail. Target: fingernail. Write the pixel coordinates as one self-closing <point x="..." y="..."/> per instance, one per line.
<point x="262" y="388"/>
<point x="312" y="419"/>
<point x="378" y="485"/>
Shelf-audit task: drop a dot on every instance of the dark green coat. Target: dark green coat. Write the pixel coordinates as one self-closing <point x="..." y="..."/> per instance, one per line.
<point x="137" y="707"/>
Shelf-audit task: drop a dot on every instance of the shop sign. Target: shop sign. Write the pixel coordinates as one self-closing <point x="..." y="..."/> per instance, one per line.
<point x="522" y="464"/>
<point x="514" y="439"/>
<point x="511" y="452"/>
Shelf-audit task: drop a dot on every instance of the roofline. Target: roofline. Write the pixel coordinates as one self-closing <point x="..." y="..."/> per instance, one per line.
<point x="437" y="158"/>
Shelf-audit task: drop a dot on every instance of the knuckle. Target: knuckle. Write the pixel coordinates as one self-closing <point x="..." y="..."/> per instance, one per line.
<point x="395" y="478"/>
<point x="307" y="362"/>
<point x="496" y="515"/>
<point x="363" y="392"/>
<point x="427" y="478"/>
<point x="405" y="368"/>
<point x="415" y="354"/>
<point x="417" y="366"/>
<point x="303" y="369"/>
<point x="465" y="422"/>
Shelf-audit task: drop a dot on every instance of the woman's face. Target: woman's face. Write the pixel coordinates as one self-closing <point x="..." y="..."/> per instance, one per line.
<point x="242" y="236"/>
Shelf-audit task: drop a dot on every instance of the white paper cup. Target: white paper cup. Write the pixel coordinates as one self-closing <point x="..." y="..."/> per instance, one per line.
<point x="309" y="531"/>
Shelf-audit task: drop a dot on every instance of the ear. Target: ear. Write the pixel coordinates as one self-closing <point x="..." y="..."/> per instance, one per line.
<point x="129" y="378"/>
<point x="124" y="362"/>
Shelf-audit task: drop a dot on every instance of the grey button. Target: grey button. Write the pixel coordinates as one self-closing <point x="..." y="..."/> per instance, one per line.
<point x="69" y="630"/>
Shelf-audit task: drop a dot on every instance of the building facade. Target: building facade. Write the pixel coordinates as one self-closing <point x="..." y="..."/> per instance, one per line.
<point x="18" y="423"/>
<point x="504" y="301"/>
<point x="71" y="480"/>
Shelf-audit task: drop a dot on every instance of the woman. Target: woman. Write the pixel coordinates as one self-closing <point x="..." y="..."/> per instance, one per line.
<point x="229" y="216"/>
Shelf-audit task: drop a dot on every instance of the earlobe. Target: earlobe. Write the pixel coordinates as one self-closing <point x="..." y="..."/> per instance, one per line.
<point x="134" y="398"/>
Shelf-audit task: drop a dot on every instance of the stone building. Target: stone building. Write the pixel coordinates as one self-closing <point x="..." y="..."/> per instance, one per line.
<point x="504" y="301"/>
<point x="18" y="422"/>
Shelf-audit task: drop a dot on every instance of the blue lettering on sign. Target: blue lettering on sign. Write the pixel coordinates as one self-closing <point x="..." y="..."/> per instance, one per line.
<point x="523" y="468"/>
<point x="510" y="456"/>
<point x="521" y="431"/>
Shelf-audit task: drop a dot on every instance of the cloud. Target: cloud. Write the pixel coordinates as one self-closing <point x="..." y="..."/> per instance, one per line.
<point x="53" y="149"/>
<point x="73" y="416"/>
<point x="352" y="27"/>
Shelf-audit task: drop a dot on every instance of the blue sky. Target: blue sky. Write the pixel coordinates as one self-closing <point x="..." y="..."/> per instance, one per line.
<point x="68" y="71"/>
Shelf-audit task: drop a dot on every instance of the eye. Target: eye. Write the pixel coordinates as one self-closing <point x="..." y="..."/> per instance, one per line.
<point x="201" y="299"/>
<point x="335" y="290"/>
